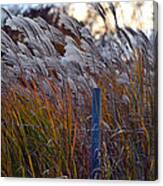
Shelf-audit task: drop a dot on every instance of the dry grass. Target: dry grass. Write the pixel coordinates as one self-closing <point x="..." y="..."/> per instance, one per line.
<point x="50" y="135"/>
<point x="44" y="138"/>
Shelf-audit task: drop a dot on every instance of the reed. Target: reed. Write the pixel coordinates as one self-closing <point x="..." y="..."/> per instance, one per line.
<point x="46" y="119"/>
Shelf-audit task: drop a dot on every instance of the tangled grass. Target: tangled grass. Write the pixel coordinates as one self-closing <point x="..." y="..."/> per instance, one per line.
<point x="49" y="134"/>
<point x="44" y="138"/>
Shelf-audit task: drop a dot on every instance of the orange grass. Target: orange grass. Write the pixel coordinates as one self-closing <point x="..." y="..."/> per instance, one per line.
<point x="43" y="137"/>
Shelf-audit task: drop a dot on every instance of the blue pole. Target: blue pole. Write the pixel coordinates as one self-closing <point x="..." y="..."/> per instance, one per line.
<point x="95" y="148"/>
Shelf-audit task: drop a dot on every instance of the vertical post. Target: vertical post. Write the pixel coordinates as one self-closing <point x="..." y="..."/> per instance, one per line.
<point x="95" y="131"/>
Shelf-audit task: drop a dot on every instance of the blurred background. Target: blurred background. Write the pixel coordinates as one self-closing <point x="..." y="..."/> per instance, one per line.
<point x="135" y="14"/>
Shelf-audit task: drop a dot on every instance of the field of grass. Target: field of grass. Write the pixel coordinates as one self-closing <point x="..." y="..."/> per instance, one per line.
<point x="49" y="135"/>
<point x="44" y="138"/>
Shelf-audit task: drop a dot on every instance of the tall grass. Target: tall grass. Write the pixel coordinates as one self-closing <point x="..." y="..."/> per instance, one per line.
<point x="46" y="123"/>
<point x="44" y="137"/>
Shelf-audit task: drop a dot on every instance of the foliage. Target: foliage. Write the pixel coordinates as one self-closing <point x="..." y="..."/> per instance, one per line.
<point x="48" y="72"/>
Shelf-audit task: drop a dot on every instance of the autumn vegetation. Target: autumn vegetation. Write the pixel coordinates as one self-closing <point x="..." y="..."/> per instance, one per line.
<point x="49" y="67"/>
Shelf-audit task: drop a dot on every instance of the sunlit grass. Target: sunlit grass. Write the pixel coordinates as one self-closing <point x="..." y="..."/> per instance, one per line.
<point x="43" y="137"/>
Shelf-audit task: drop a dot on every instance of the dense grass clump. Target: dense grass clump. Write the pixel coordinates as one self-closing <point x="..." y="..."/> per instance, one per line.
<point x="44" y="137"/>
<point x="49" y="68"/>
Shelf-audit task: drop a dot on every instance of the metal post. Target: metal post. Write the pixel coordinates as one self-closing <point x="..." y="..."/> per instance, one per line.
<point x="95" y="148"/>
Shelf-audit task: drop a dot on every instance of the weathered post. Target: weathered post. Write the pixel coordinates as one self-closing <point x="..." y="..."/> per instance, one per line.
<point x="95" y="131"/>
